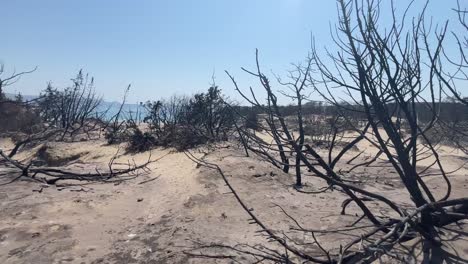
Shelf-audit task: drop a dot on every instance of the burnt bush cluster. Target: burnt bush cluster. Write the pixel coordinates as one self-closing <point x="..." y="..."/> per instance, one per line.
<point x="184" y="122"/>
<point x="139" y="141"/>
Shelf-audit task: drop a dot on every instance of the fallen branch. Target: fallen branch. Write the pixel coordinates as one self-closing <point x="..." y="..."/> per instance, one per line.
<point x="60" y="174"/>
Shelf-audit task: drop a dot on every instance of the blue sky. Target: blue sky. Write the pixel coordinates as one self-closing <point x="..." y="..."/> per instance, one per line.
<point x="162" y="47"/>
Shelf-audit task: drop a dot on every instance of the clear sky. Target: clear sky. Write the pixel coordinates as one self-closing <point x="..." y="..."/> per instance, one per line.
<point x="162" y="47"/>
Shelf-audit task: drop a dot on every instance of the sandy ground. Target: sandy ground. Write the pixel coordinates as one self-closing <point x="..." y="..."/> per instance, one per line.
<point x="178" y="206"/>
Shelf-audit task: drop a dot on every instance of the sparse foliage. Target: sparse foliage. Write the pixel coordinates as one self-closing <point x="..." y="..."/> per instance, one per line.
<point x="73" y="108"/>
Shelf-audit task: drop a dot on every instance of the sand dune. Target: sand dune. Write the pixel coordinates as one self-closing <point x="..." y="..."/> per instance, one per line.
<point x="175" y="207"/>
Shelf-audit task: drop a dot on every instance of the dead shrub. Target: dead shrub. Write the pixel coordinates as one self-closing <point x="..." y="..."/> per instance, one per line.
<point x="15" y="117"/>
<point x="140" y="141"/>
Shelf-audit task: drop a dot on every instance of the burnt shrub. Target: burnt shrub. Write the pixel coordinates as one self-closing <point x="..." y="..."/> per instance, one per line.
<point x="185" y="138"/>
<point x="17" y="117"/>
<point x="113" y="136"/>
<point x="140" y="141"/>
<point x="164" y="116"/>
<point x="209" y="115"/>
<point x="182" y="122"/>
<point x="71" y="108"/>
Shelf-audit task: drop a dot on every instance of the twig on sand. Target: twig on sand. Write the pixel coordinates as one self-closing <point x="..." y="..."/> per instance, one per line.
<point x="150" y="180"/>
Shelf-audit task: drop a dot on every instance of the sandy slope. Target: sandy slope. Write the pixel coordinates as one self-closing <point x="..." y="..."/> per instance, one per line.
<point x="154" y="222"/>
